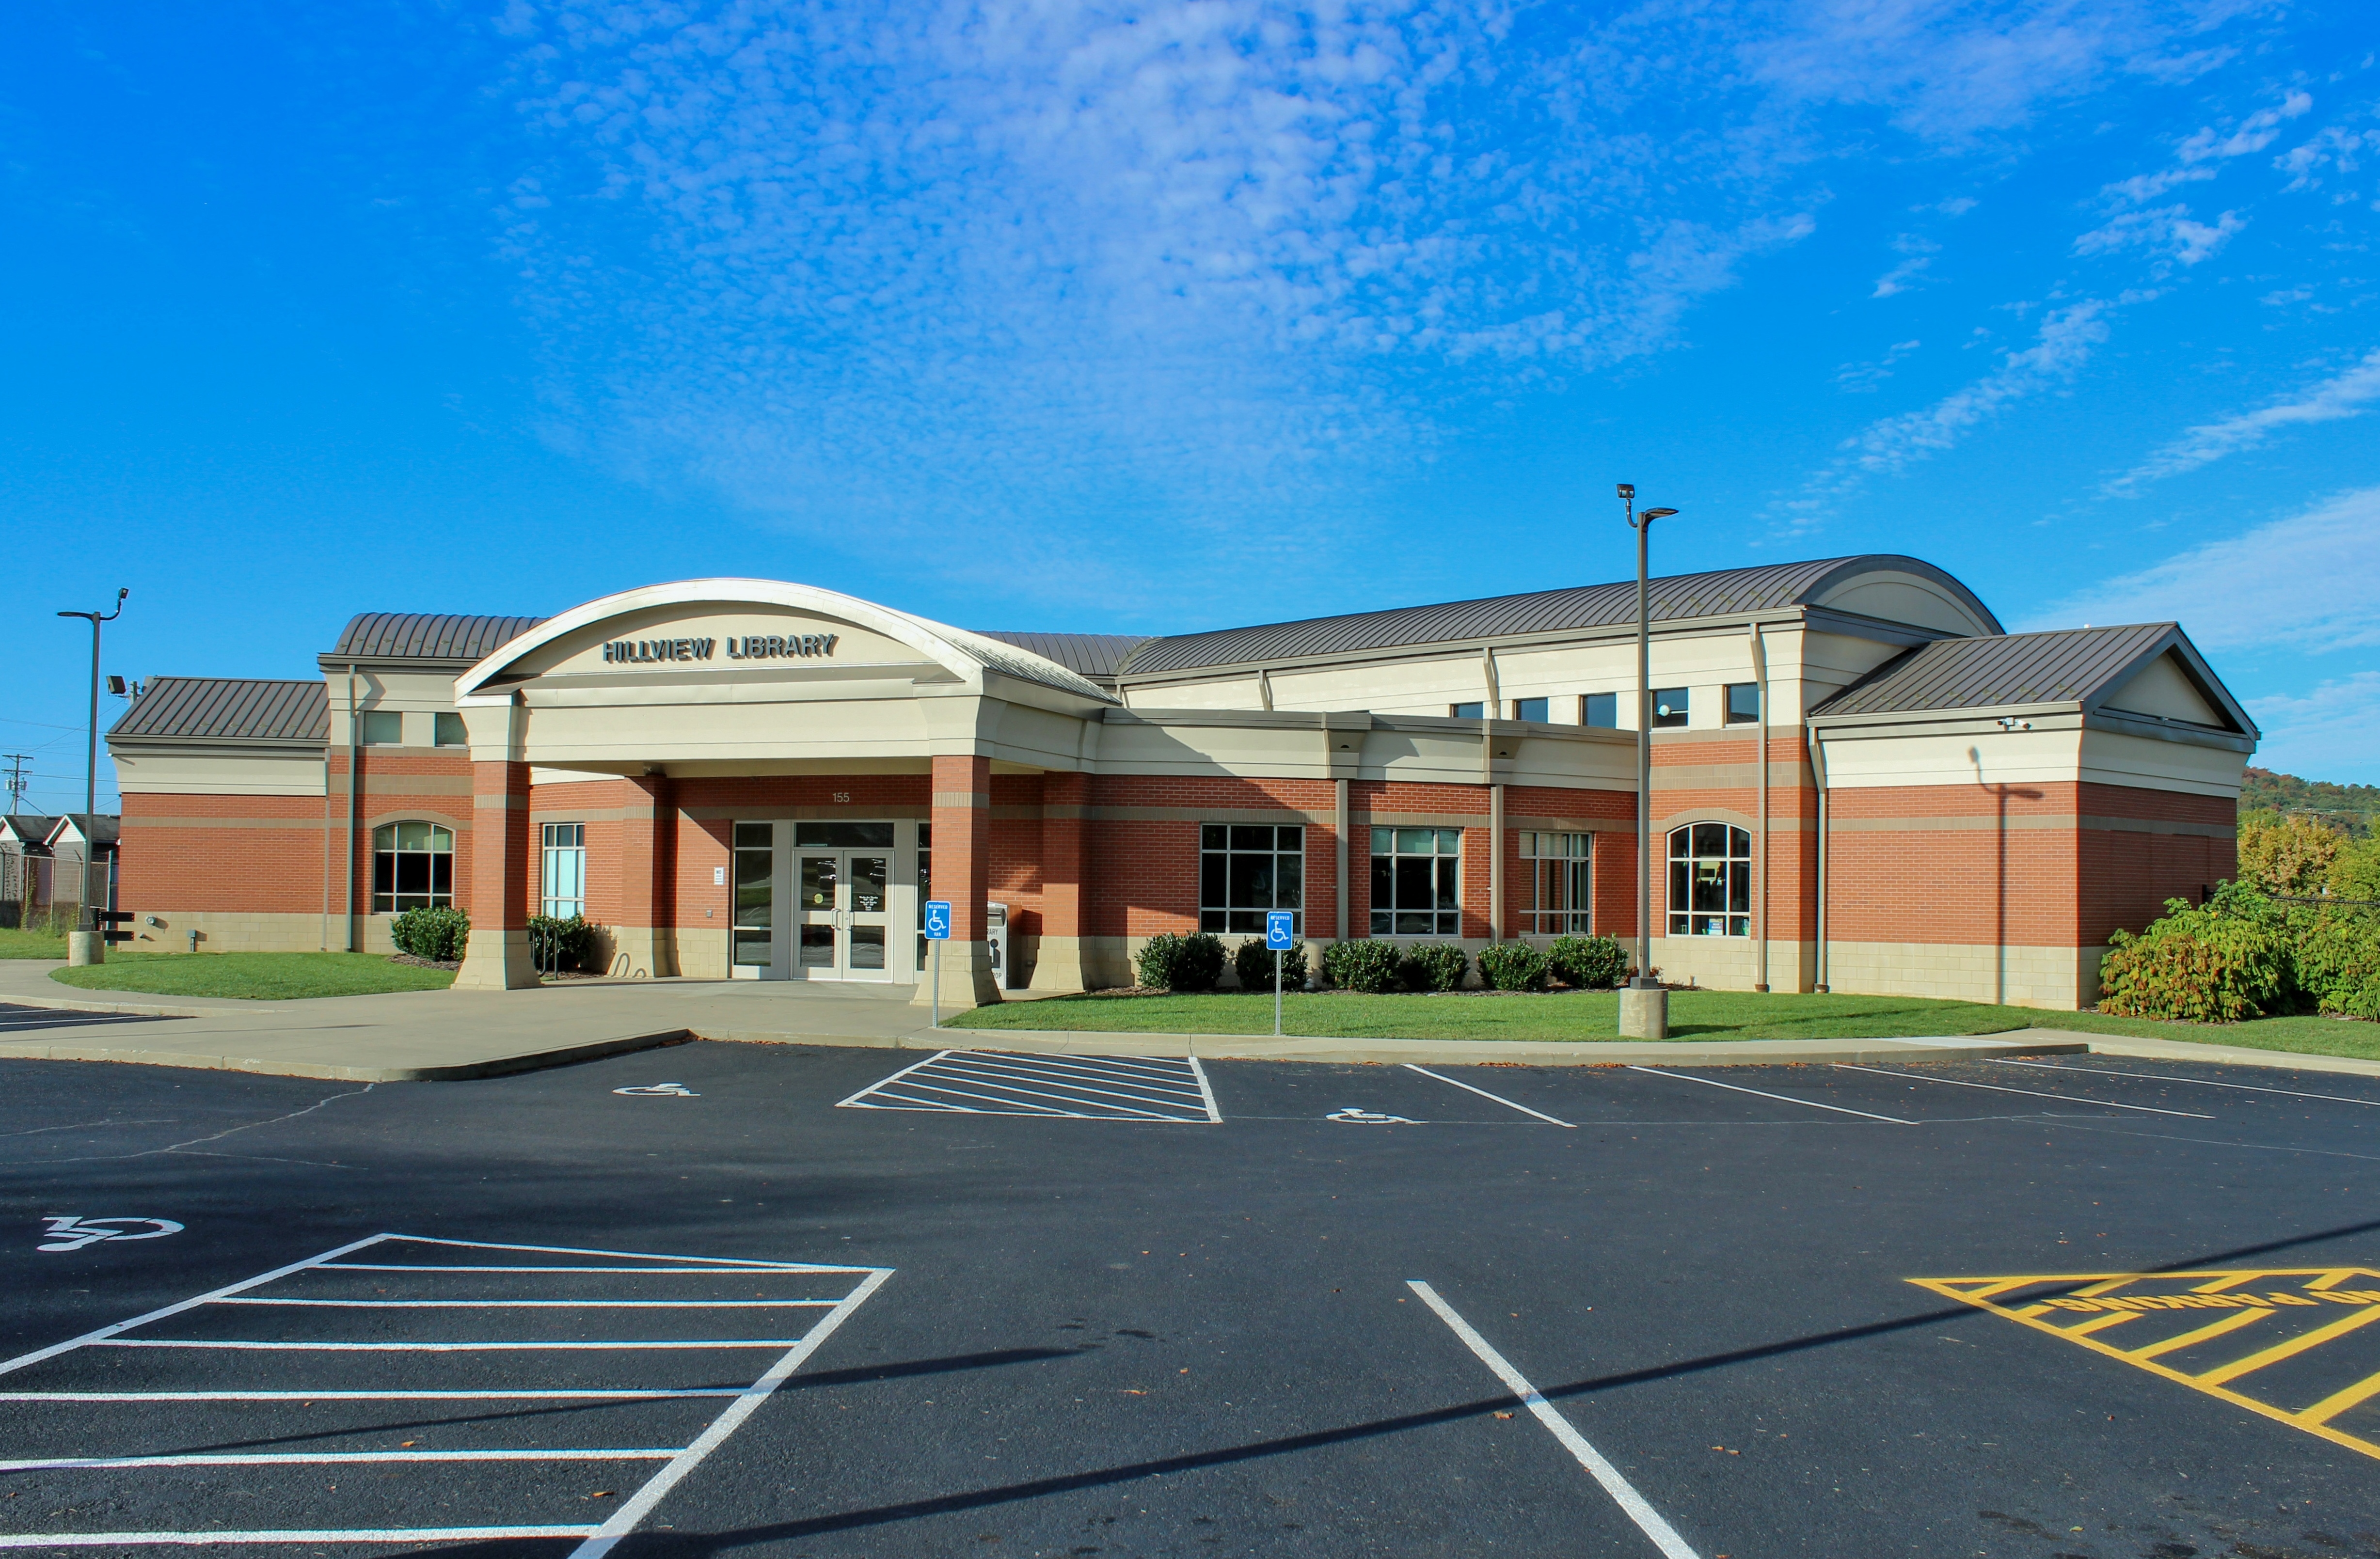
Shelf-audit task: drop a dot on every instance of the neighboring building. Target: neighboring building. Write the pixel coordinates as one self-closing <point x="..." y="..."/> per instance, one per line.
<point x="757" y="780"/>
<point x="73" y="839"/>
<point x="24" y="865"/>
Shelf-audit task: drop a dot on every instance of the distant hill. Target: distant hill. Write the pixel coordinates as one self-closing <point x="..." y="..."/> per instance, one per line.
<point x="2352" y="808"/>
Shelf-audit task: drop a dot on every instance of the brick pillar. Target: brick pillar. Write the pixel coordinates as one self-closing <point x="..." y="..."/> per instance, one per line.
<point x="647" y="934"/>
<point x="503" y="859"/>
<point x="961" y="802"/>
<point x="1065" y="820"/>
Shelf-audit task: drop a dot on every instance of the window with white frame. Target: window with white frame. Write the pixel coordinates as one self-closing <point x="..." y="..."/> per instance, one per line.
<point x="1557" y="870"/>
<point x="413" y="867"/>
<point x="564" y="878"/>
<point x="1416" y="882"/>
<point x="1247" y="868"/>
<point x="1710" y="881"/>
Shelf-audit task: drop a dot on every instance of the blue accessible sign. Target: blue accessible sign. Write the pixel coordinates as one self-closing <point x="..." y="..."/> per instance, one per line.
<point x="1281" y="930"/>
<point x="937" y="920"/>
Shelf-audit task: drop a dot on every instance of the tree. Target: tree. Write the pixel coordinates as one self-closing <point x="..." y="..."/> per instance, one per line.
<point x="2290" y="856"/>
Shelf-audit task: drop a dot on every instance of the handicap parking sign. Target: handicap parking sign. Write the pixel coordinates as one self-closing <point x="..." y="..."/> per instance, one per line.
<point x="937" y="920"/>
<point x="1280" y="930"/>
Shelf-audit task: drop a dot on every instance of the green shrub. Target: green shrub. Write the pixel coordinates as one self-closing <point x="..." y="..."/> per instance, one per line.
<point x="556" y="944"/>
<point x="1591" y="963"/>
<point x="2339" y="961"/>
<point x="1253" y="961"/>
<point x="1512" y="966"/>
<point x="1432" y="966"/>
<point x="1181" y="963"/>
<point x="1366" y="966"/>
<point x="2228" y="960"/>
<point x="438" y="934"/>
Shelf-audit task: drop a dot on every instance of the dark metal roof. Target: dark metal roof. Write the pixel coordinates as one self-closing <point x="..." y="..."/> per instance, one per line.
<point x="1725" y="593"/>
<point x="229" y="708"/>
<point x="109" y="826"/>
<point x="416" y="635"/>
<point x="2067" y="666"/>
<point x="32" y="827"/>
<point x="1097" y="656"/>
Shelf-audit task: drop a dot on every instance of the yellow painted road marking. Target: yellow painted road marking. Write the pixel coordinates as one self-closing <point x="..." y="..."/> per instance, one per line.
<point x="2321" y="1310"/>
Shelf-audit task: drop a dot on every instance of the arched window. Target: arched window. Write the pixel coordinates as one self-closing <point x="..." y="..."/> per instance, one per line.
<point x="1710" y="881"/>
<point x="413" y="867"/>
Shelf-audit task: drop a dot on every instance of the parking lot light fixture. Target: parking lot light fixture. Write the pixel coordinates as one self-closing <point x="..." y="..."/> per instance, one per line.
<point x="90" y="761"/>
<point x="1645" y="1016"/>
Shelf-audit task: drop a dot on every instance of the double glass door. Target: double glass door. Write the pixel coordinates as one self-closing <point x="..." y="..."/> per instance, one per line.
<point x="813" y="901"/>
<point x="841" y="920"/>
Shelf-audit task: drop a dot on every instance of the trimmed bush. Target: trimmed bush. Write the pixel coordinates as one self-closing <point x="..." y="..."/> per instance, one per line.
<point x="1366" y="966"/>
<point x="2228" y="960"/>
<point x="1512" y="966"/>
<point x="1591" y="963"/>
<point x="437" y="934"/>
<point x="1253" y="961"/>
<point x="558" y="944"/>
<point x="1432" y="966"/>
<point x="1181" y="963"/>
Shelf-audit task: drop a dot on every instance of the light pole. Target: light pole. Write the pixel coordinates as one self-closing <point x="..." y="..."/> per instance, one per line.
<point x="1643" y="1006"/>
<point x="91" y="781"/>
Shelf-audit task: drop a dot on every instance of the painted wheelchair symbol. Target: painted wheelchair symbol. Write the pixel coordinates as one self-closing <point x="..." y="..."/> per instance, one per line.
<point x="1354" y="1117"/>
<point x="73" y="1232"/>
<point x="659" y="1090"/>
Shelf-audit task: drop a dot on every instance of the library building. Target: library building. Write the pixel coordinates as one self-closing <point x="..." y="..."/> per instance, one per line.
<point x="1860" y="783"/>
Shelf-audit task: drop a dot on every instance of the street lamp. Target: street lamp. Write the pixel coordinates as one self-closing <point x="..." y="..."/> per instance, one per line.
<point x="91" y="766"/>
<point x="1643" y="1006"/>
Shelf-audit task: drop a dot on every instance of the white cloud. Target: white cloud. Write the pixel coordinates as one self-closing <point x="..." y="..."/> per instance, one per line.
<point x="2169" y="228"/>
<point x="2061" y="347"/>
<point x="2323" y="734"/>
<point x="2311" y="582"/>
<point x="2345" y="394"/>
<point x="1863" y="378"/>
<point x="2334" y="149"/>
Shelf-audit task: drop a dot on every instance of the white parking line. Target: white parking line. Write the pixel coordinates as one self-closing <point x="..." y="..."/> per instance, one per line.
<point x="1142" y="1088"/>
<point x="1784" y="1098"/>
<point x="1640" y="1510"/>
<point x="2194" y="1082"/>
<point x="738" y="1404"/>
<point x="2070" y="1098"/>
<point x="1485" y="1094"/>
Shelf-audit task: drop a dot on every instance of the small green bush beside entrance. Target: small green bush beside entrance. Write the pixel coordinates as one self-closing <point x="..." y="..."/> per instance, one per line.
<point x="438" y="934"/>
<point x="1366" y="966"/>
<point x="1433" y="966"/>
<point x="1253" y="962"/>
<point x="1171" y="963"/>
<point x="1591" y="963"/>
<point x="1512" y="966"/>
<point x="560" y="943"/>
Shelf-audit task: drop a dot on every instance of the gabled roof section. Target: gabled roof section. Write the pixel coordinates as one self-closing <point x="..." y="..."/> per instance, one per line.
<point x="418" y="636"/>
<point x="101" y="828"/>
<point x="28" y="828"/>
<point x="227" y="710"/>
<point x="1095" y="656"/>
<point x="1726" y="593"/>
<point x="2085" y="667"/>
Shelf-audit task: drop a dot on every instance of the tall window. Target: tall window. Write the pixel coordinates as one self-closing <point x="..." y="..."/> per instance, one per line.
<point x="413" y="867"/>
<point x="1560" y="887"/>
<point x="1416" y="882"/>
<point x="564" y="878"/>
<point x="1742" y="703"/>
<point x="1245" y="869"/>
<point x="1531" y="709"/>
<point x="924" y="887"/>
<point x="754" y="912"/>
<point x="1710" y="881"/>
<point x="1599" y="708"/>
<point x="1670" y="706"/>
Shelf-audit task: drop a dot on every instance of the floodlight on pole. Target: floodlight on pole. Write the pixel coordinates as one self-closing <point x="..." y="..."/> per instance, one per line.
<point x="1642" y="524"/>
<point x="90" y="757"/>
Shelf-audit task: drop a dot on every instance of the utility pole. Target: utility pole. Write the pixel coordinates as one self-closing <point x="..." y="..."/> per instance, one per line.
<point x="17" y="762"/>
<point x="93" y="951"/>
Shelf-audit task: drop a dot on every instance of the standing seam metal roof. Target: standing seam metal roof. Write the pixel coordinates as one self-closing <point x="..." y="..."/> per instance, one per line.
<point x="1089" y="654"/>
<point x="1679" y="597"/>
<point x="229" y="708"/>
<point x="414" y="636"/>
<point x="2065" y="666"/>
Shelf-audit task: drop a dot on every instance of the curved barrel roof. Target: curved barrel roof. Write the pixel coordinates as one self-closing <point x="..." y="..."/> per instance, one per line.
<point x="1724" y="593"/>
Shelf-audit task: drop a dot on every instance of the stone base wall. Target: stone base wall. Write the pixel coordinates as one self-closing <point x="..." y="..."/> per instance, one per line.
<point x="230" y="931"/>
<point x="2057" y="979"/>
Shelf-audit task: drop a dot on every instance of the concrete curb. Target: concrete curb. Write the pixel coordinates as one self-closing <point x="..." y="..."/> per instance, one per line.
<point x="2219" y="1054"/>
<point x="460" y="1072"/>
<point x="1441" y="1052"/>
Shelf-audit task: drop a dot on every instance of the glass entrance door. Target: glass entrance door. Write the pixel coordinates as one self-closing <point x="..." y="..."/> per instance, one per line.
<point x="841" y="920"/>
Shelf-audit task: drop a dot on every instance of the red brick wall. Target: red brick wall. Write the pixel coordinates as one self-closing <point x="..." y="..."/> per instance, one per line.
<point x="1015" y="876"/>
<point x="187" y="853"/>
<point x="2127" y="875"/>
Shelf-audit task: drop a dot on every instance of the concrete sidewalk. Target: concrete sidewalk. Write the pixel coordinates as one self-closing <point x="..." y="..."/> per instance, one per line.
<point x="449" y="1035"/>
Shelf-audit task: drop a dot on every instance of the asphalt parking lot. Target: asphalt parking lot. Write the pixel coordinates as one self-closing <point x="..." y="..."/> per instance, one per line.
<point x="771" y="1299"/>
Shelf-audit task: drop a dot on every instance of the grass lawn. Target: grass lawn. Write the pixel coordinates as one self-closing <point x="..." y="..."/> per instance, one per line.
<point x="257" y="976"/>
<point x="1589" y="1016"/>
<point x="32" y="944"/>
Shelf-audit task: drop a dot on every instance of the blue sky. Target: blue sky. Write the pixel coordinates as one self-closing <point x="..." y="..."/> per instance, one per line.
<point x="1161" y="317"/>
